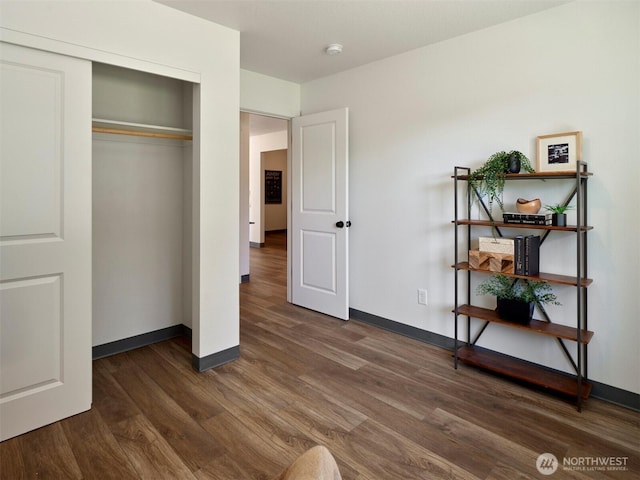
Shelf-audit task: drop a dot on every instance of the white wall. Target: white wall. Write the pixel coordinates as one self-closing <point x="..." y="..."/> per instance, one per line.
<point x="135" y="34"/>
<point x="417" y="115"/>
<point x="272" y="96"/>
<point x="137" y="236"/>
<point x="133" y="96"/>
<point x="257" y="145"/>
<point x="275" y="215"/>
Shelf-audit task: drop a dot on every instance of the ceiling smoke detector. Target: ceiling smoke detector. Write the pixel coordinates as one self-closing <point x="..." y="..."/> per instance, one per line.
<point x="333" y="49"/>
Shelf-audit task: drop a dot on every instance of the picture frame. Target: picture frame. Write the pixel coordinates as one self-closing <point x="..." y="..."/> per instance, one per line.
<point x="273" y="187"/>
<point x="558" y="152"/>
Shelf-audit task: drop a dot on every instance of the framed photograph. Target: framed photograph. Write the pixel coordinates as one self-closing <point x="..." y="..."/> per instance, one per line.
<point x="559" y="152"/>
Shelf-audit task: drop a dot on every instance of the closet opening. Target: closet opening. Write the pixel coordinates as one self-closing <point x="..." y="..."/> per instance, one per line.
<point x="142" y="158"/>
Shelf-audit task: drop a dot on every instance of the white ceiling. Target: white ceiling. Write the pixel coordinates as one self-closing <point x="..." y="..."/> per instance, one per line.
<point x="286" y="38"/>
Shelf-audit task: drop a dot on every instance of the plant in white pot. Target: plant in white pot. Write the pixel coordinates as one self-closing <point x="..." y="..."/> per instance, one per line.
<point x="516" y="298"/>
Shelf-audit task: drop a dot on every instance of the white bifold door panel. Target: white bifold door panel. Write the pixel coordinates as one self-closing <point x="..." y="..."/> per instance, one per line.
<point x="45" y="238"/>
<point x="320" y="213"/>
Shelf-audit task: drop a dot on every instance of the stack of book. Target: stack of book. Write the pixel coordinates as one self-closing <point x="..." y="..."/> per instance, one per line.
<point x="526" y="253"/>
<point x="527" y="218"/>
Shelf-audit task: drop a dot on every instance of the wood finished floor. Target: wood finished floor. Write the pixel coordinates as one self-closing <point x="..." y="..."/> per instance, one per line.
<point x="387" y="407"/>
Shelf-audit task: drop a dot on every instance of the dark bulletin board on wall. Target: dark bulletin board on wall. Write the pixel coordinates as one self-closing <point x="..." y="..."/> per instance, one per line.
<point x="272" y="187"/>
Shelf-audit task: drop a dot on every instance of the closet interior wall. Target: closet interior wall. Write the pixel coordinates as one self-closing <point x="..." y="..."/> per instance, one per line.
<point x="142" y="196"/>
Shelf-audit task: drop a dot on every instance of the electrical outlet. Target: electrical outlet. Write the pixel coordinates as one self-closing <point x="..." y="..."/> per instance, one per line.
<point x="422" y="296"/>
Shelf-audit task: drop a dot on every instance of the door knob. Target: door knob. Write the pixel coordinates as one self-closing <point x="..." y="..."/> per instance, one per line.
<point x="340" y="224"/>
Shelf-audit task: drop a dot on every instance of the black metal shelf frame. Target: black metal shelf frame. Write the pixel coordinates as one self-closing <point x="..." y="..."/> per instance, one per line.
<point x="579" y="192"/>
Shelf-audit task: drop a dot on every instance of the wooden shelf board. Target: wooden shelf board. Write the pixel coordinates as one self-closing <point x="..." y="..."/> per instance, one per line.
<point x="537" y="176"/>
<point x="120" y="131"/>
<point x="541" y="277"/>
<point x="535" y="326"/>
<point x="115" y="127"/>
<point x="524" y="371"/>
<point x="489" y="223"/>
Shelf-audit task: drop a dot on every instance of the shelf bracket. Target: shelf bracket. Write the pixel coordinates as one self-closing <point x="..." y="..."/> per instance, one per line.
<point x="479" y="334"/>
<point x="563" y="346"/>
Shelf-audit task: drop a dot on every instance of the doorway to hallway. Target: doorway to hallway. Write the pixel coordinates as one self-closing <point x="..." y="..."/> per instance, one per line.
<point x="268" y="286"/>
<point x="263" y="183"/>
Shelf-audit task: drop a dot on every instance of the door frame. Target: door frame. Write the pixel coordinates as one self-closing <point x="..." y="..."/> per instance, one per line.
<point x="290" y="238"/>
<point x="288" y="147"/>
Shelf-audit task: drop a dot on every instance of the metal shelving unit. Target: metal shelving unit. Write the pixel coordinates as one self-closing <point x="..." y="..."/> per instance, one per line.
<point x="576" y="385"/>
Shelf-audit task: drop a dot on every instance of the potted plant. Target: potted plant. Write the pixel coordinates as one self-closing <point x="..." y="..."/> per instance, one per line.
<point x="559" y="216"/>
<point x="516" y="298"/>
<point x="488" y="180"/>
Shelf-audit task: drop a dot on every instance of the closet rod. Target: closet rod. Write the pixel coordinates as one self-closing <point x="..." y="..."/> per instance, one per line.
<point x="118" y="127"/>
<point x="137" y="133"/>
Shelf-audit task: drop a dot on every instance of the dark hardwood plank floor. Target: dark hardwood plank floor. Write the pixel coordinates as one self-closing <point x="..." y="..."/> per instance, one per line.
<point x="387" y="407"/>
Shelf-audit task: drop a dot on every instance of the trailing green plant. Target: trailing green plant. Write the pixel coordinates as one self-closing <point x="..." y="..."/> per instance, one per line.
<point x="558" y="208"/>
<point x="488" y="180"/>
<point x="526" y="291"/>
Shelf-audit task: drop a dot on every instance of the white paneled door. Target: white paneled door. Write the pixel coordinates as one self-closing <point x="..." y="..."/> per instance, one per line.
<point x="320" y="213"/>
<point x="45" y="238"/>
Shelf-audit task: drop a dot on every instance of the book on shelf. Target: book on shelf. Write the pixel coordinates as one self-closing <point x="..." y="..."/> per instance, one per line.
<point x="527" y="218"/>
<point x="526" y="255"/>
<point x="527" y="222"/>
<point x="532" y="255"/>
<point x="518" y="255"/>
